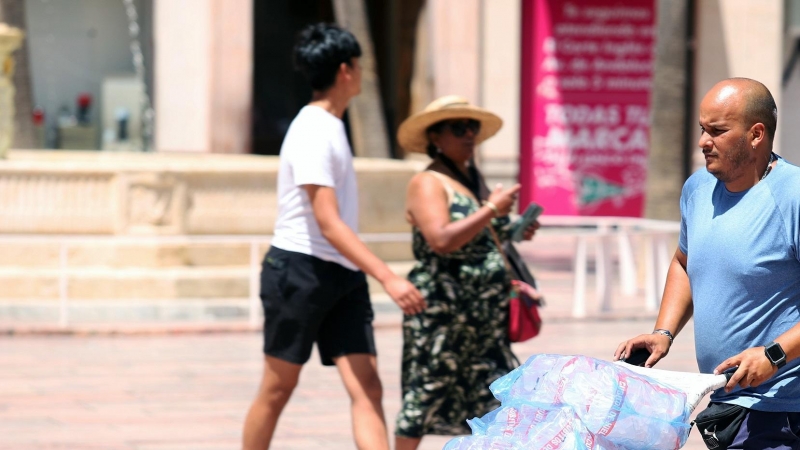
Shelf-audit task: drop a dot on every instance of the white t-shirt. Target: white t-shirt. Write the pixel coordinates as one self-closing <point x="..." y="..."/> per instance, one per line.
<point x="314" y="151"/>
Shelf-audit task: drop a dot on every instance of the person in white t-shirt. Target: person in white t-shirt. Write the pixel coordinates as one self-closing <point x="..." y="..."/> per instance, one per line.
<point x="313" y="283"/>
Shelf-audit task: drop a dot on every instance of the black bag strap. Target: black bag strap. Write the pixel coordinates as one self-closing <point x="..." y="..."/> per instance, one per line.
<point x="517" y="264"/>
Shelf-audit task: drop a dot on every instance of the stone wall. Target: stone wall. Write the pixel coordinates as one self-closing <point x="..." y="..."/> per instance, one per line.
<point x="95" y="237"/>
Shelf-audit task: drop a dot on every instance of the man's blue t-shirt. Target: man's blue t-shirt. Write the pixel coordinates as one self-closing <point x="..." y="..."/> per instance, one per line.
<point x="743" y="254"/>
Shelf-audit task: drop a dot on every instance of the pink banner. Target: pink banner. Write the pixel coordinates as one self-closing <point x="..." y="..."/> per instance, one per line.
<point x="587" y="76"/>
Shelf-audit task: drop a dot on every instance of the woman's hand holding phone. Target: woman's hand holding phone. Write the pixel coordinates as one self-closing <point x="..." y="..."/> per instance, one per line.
<point x="526" y="225"/>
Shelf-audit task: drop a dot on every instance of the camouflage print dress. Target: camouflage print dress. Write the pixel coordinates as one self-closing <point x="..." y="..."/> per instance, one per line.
<point x="459" y="345"/>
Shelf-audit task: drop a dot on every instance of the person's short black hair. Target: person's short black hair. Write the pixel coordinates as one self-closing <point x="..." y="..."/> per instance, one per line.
<point x="321" y="48"/>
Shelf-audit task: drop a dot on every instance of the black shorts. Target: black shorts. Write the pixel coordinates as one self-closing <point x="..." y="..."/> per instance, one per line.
<point x="309" y="300"/>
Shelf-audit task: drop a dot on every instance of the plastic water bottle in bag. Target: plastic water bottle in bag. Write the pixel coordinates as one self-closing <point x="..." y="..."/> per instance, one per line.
<point x="525" y="426"/>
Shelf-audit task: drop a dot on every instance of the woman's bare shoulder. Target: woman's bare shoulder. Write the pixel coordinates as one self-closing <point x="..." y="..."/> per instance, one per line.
<point x="427" y="184"/>
<point x="426" y="178"/>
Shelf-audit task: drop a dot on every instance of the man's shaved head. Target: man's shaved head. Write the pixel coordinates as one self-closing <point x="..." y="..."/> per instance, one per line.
<point x="759" y="106"/>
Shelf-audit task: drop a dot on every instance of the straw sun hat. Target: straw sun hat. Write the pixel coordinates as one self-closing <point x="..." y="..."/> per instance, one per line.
<point x="412" y="134"/>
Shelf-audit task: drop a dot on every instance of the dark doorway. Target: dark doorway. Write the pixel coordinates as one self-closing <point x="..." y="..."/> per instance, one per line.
<point x="278" y="90"/>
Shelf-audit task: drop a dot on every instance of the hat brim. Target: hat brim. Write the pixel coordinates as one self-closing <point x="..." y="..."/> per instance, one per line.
<point x="412" y="134"/>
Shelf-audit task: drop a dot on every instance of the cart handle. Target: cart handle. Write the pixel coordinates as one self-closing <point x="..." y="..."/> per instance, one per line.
<point x="639" y="356"/>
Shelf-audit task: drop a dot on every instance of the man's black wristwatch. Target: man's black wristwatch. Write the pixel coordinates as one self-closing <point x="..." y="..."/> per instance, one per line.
<point x="775" y="354"/>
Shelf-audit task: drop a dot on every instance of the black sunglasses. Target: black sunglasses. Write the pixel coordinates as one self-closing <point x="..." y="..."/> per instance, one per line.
<point x="459" y="127"/>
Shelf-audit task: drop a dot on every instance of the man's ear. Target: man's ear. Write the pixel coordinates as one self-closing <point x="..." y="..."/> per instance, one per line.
<point x="343" y="70"/>
<point x="758" y="133"/>
<point x="341" y="74"/>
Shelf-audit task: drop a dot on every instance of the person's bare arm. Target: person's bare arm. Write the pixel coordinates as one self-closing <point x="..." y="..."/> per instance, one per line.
<point x="752" y="365"/>
<point x="342" y="238"/>
<point x="676" y="310"/>
<point x="426" y="202"/>
<point x="676" y="304"/>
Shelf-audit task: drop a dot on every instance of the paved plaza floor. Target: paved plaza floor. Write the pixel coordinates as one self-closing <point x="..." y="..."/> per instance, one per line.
<point x="134" y="386"/>
<point x="191" y="391"/>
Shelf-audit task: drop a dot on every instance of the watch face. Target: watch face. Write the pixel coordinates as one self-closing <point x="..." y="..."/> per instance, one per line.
<point x="775" y="353"/>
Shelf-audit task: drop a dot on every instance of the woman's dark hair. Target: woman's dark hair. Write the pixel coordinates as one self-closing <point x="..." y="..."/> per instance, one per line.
<point x="321" y="48"/>
<point x="436" y="128"/>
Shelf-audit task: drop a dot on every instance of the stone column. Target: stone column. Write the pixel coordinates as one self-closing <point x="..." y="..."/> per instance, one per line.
<point x="448" y="52"/>
<point x="500" y="87"/>
<point x="232" y="76"/>
<point x="10" y="40"/>
<point x="203" y="75"/>
<point x="665" y="172"/>
<point x="456" y="47"/>
<point x="183" y="41"/>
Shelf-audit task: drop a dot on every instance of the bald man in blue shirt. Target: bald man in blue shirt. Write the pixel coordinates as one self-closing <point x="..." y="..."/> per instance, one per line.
<point x="737" y="268"/>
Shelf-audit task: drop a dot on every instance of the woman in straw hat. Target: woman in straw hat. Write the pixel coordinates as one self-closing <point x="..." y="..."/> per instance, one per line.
<point x="459" y="344"/>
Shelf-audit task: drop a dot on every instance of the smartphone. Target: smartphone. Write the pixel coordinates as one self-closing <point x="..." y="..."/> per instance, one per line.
<point x="532" y="212"/>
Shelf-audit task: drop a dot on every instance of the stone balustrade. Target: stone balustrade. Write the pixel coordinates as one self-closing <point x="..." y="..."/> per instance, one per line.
<point x="46" y="192"/>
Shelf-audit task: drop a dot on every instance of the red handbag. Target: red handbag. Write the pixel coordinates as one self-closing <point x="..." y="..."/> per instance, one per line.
<point x="524" y="321"/>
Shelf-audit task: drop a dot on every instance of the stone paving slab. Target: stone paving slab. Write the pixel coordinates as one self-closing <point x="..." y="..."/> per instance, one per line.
<point x="191" y="391"/>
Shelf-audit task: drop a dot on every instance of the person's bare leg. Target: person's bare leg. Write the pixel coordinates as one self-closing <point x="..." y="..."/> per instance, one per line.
<point x="404" y="443"/>
<point x="359" y="373"/>
<point x="277" y="384"/>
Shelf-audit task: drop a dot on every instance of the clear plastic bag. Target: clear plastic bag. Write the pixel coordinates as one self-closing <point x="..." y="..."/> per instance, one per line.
<point x="604" y="405"/>
<point x="525" y="426"/>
